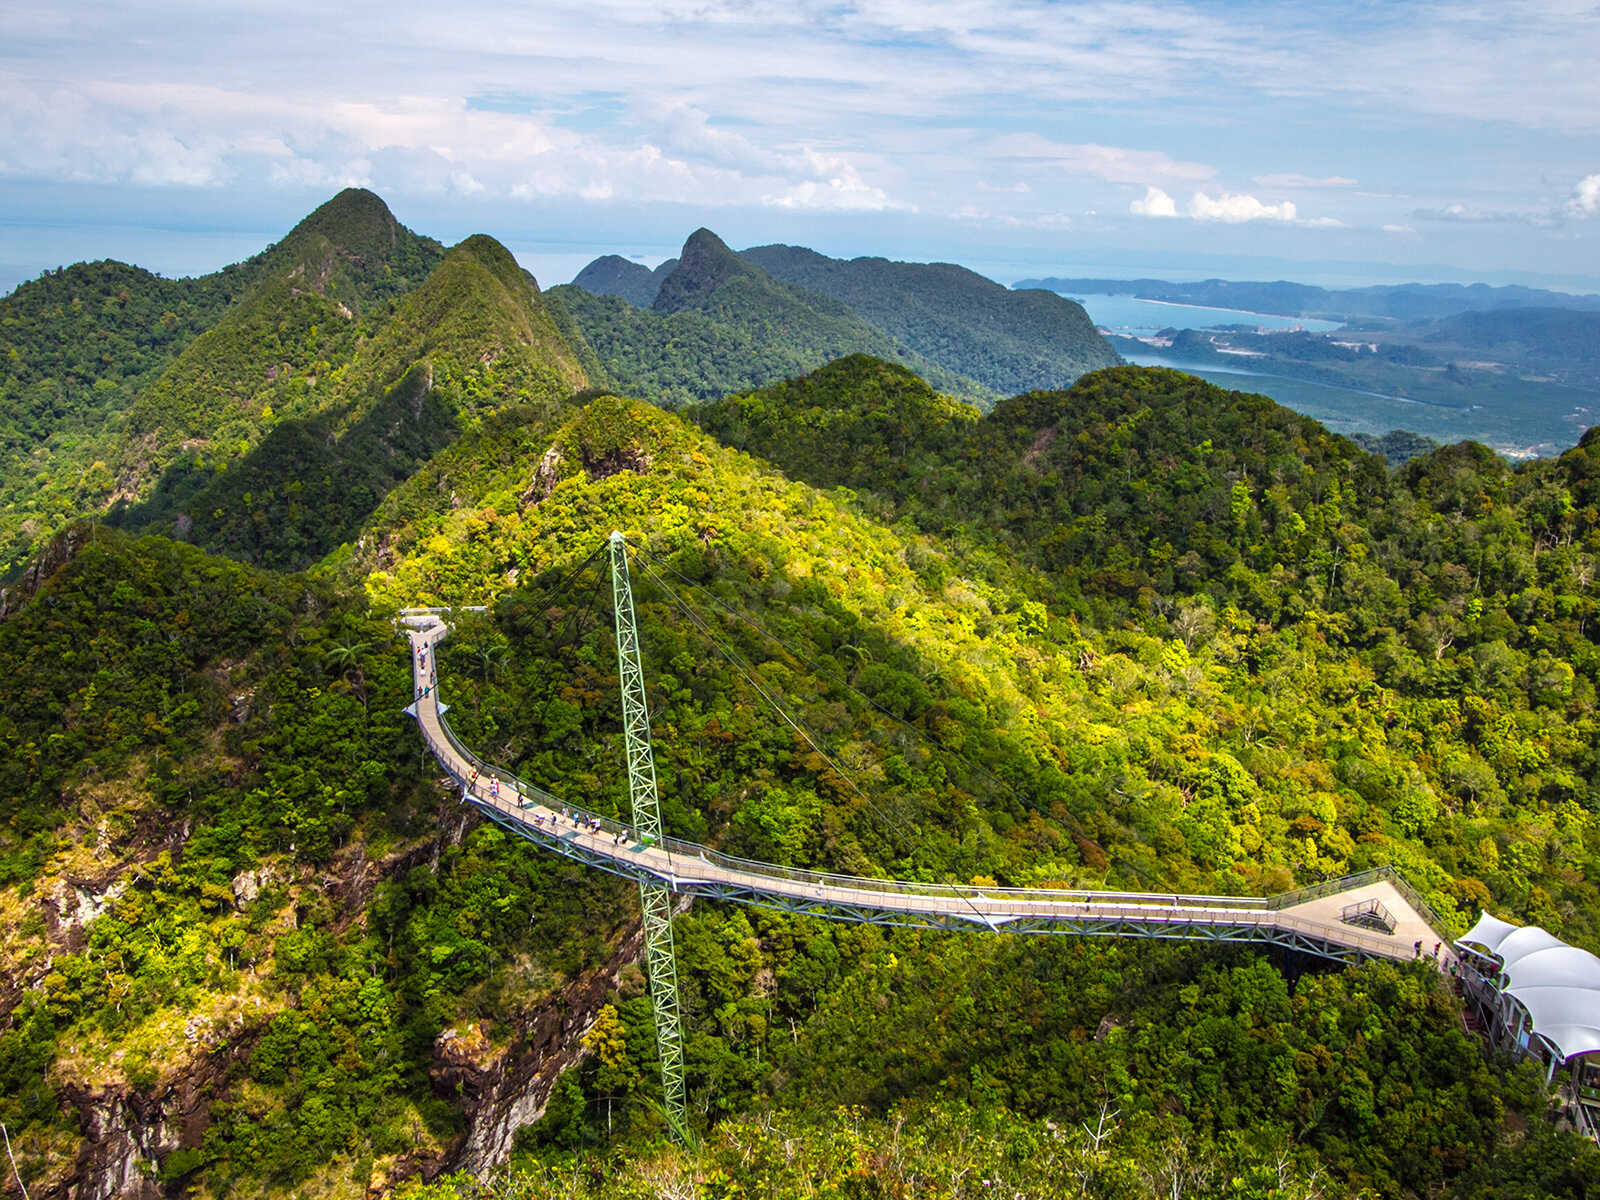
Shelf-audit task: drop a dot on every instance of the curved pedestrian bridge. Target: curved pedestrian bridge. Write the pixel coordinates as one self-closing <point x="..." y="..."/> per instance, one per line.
<point x="1371" y="915"/>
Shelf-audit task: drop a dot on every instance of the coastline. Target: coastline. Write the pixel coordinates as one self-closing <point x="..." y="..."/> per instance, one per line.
<point x="1248" y="312"/>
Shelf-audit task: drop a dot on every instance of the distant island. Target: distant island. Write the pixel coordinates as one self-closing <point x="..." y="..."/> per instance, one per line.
<point x="1514" y="367"/>
<point x="1383" y="302"/>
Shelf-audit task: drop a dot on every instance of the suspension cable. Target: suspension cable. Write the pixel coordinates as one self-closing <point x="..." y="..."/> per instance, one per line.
<point x="801" y="659"/>
<point x="745" y="669"/>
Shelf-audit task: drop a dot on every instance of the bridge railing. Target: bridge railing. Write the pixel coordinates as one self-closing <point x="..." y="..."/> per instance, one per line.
<point x="1345" y="883"/>
<point x="801" y="879"/>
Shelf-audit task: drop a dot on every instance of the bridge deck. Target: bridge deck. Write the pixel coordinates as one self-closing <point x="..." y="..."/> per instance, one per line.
<point x="1304" y="921"/>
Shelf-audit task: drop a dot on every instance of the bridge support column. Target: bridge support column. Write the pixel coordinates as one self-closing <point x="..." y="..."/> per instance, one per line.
<point x="655" y="900"/>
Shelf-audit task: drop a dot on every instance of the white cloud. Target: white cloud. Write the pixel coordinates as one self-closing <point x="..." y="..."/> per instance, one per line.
<point x="1235" y="209"/>
<point x="1585" y="199"/>
<point x="1156" y="203"/>
<point x="1115" y="164"/>
<point x="1401" y="229"/>
<point x="1321" y="223"/>
<point x="1294" y="179"/>
<point x="840" y="189"/>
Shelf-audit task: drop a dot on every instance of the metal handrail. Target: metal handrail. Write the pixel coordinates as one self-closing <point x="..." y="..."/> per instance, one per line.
<point x="1180" y="908"/>
<point x="1384" y="873"/>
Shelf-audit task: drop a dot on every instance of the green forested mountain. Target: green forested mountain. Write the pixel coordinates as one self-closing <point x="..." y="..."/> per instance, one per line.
<point x="1137" y="633"/>
<point x="613" y="275"/>
<point x="956" y="323"/>
<point x="718" y="323"/>
<point x="322" y="290"/>
<point x="104" y="380"/>
<point x="1011" y="341"/>
<point x="473" y="337"/>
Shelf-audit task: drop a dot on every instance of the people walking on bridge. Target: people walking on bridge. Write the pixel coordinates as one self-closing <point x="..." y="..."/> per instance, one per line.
<point x="494" y="787"/>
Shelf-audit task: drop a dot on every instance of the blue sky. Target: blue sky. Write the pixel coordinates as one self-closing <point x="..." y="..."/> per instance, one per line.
<point x="1337" y="142"/>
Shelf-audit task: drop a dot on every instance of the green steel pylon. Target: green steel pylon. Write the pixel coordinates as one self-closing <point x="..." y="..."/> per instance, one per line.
<point x="655" y="901"/>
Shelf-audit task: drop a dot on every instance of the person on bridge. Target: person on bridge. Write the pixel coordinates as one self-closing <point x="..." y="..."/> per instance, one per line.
<point x="494" y="787"/>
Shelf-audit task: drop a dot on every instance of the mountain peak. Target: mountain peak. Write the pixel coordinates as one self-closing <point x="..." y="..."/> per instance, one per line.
<point x="356" y="220"/>
<point x="705" y="264"/>
<point x="495" y="258"/>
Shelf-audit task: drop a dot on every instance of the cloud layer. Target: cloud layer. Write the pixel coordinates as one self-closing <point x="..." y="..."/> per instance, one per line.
<point x="1013" y="115"/>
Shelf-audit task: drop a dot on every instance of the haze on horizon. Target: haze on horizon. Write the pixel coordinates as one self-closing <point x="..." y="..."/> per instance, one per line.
<point x="1341" y="143"/>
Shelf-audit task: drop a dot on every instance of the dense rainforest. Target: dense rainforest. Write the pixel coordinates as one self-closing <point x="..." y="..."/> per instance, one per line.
<point x="1139" y="632"/>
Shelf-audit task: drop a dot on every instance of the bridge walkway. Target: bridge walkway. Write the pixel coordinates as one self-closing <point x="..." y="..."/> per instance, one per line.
<point x="1307" y="920"/>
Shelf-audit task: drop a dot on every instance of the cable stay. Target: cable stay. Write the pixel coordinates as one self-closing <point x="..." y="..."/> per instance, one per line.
<point x="928" y="738"/>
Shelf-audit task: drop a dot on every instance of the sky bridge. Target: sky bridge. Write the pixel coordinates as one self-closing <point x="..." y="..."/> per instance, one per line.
<point x="1373" y="915"/>
<point x="1319" y="920"/>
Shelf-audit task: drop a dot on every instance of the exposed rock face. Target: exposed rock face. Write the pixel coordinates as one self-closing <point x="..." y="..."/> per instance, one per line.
<point x="614" y="462"/>
<point x="545" y="477"/>
<point x="501" y="1091"/>
<point x="124" y="1132"/>
<point x="45" y="564"/>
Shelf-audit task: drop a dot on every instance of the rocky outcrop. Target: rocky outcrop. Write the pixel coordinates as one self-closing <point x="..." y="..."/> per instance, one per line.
<point x="44" y="564"/>
<point x="126" y="1133"/>
<point x="501" y="1090"/>
<point x="545" y="477"/>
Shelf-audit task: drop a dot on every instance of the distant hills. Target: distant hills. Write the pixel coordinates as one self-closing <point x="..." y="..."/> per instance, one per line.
<point x="964" y="330"/>
<point x="613" y="275"/>
<point x="1533" y="338"/>
<point x="1389" y="302"/>
<point x="268" y="409"/>
<point x="1011" y="341"/>
<point x="265" y="410"/>
<point x="718" y="323"/>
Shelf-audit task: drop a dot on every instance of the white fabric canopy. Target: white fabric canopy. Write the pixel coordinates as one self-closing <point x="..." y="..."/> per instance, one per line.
<point x="1558" y="984"/>
<point x="1488" y="932"/>
<point x="1520" y="943"/>
<point x="1558" y="966"/>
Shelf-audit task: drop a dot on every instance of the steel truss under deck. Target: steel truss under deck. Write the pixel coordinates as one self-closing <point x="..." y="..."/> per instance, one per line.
<point x="1174" y="928"/>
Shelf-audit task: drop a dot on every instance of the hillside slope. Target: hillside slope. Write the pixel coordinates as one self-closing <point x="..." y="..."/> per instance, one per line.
<point x="329" y="284"/>
<point x="100" y="376"/>
<point x="1010" y="341"/>
<point x="1142" y="633"/>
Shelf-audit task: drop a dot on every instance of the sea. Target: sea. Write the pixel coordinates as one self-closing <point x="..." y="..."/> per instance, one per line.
<point x="1134" y="317"/>
<point x="1344" y="410"/>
